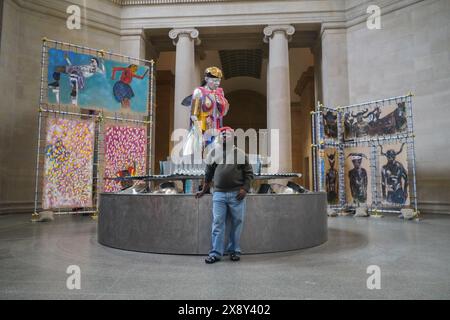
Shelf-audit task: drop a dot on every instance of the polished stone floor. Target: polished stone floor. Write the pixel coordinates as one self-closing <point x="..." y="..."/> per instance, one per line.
<point x="414" y="258"/>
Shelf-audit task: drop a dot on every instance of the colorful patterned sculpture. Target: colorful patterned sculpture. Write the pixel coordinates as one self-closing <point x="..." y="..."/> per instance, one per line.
<point x="208" y="107"/>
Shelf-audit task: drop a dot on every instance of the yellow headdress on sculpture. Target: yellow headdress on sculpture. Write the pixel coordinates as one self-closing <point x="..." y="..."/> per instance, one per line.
<point x="214" y="71"/>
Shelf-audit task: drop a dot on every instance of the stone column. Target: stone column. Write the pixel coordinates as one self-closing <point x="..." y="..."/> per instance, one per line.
<point x="198" y="77"/>
<point x="184" y="40"/>
<point x="335" y="88"/>
<point x="278" y="95"/>
<point x="133" y="44"/>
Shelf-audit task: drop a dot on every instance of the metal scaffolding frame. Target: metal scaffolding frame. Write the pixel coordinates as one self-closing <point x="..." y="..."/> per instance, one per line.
<point x="320" y="142"/>
<point x="59" y="110"/>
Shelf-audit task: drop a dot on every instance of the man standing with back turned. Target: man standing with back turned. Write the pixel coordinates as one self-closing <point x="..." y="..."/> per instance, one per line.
<point x="232" y="181"/>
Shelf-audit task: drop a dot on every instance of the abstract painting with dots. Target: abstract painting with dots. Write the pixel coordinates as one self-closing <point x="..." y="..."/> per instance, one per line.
<point x="68" y="171"/>
<point x="125" y="154"/>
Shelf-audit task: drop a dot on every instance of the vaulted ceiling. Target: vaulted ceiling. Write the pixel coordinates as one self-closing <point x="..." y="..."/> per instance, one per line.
<point x="241" y="63"/>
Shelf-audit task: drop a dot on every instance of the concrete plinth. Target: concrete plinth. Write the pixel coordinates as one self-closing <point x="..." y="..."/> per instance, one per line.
<point x="181" y="224"/>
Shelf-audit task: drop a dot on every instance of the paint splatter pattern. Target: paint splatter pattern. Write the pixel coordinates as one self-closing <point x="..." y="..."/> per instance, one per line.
<point x="68" y="169"/>
<point x="125" y="147"/>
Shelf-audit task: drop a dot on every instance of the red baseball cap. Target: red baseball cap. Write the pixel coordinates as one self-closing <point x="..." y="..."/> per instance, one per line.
<point x="225" y="129"/>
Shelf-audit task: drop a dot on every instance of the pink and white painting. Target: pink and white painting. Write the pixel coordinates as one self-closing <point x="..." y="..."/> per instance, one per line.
<point x="125" y="154"/>
<point x="68" y="168"/>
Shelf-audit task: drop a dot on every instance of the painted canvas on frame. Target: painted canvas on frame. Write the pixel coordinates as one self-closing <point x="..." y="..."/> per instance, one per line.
<point x="94" y="83"/>
<point x="125" y="154"/>
<point x="358" y="176"/>
<point x="376" y="121"/>
<point x="68" y="169"/>
<point x="394" y="174"/>
<point x="332" y="175"/>
<point x="330" y="124"/>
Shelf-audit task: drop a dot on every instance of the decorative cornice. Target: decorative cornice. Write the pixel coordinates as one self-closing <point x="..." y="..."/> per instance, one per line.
<point x="118" y="21"/>
<point x="288" y="30"/>
<point x="191" y="32"/>
<point x="147" y="2"/>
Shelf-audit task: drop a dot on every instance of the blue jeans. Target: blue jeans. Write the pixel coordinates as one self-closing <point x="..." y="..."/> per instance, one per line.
<point x="223" y="203"/>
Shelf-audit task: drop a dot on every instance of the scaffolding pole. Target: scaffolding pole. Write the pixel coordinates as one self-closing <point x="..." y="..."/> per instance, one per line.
<point x="412" y="150"/>
<point x="321" y="146"/>
<point x="341" y="153"/>
<point x="314" y="151"/>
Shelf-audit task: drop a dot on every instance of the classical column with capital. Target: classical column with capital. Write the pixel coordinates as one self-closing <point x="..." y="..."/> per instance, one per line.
<point x="278" y="95"/>
<point x="185" y="41"/>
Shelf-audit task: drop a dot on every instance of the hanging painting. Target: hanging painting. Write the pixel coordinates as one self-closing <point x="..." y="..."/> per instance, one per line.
<point x="358" y="176"/>
<point x="394" y="174"/>
<point x="125" y="154"/>
<point x="92" y="82"/>
<point x="376" y="121"/>
<point x="69" y="153"/>
<point x="332" y="175"/>
<point x="330" y="124"/>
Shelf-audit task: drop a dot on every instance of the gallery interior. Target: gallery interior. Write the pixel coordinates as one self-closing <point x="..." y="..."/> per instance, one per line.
<point x="349" y="192"/>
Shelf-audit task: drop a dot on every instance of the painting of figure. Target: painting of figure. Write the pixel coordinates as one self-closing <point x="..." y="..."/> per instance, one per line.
<point x="332" y="175"/>
<point x="123" y="92"/>
<point x="394" y="174"/>
<point x="77" y="76"/>
<point x="388" y="120"/>
<point x="90" y="82"/>
<point x="356" y="124"/>
<point x="376" y="121"/>
<point x="68" y="168"/>
<point x="330" y="124"/>
<point x="357" y="178"/>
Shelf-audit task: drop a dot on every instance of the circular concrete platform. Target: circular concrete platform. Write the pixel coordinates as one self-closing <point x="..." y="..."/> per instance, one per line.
<point x="181" y="224"/>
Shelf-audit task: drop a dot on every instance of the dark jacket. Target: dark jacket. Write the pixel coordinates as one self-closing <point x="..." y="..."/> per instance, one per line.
<point x="230" y="177"/>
